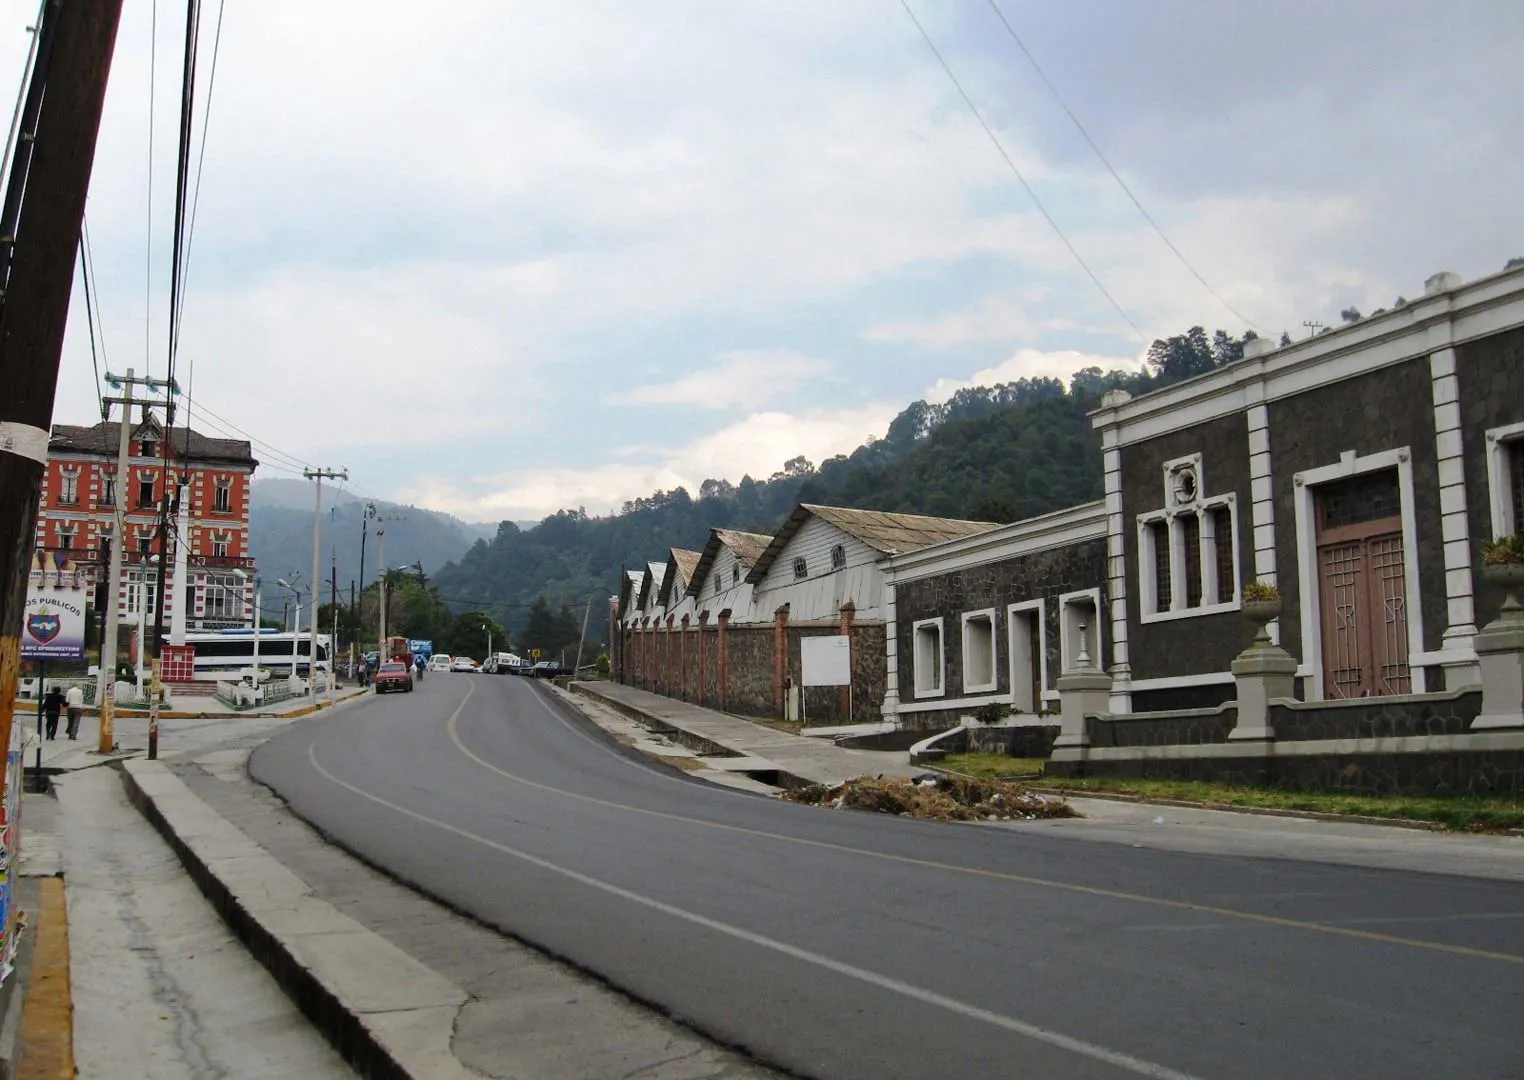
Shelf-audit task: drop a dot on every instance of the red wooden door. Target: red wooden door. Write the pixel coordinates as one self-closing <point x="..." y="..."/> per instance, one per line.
<point x="1362" y="586"/>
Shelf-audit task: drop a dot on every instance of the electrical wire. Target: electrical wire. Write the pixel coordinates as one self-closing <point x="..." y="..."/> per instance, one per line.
<point x="84" y="276"/>
<point x="26" y="75"/>
<point x="1016" y="171"/>
<point x="153" y="68"/>
<point x="1022" y="45"/>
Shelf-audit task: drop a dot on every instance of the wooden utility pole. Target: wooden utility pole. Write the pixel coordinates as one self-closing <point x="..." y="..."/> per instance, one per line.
<point x="43" y="213"/>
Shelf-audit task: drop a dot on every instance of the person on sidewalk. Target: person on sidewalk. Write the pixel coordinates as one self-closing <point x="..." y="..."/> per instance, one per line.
<point x="76" y="704"/>
<point x="52" y="705"/>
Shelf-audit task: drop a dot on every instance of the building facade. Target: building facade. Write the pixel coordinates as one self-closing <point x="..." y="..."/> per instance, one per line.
<point x="76" y="518"/>
<point x="1359" y="472"/>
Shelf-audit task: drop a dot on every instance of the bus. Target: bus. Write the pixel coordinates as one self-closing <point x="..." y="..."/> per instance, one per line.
<point x="226" y="654"/>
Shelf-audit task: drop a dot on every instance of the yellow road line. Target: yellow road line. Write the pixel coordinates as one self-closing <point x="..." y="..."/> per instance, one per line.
<point x="1021" y="879"/>
<point x="47" y="1016"/>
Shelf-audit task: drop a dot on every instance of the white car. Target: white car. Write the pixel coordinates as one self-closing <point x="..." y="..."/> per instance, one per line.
<point x="440" y="662"/>
<point x="463" y="663"/>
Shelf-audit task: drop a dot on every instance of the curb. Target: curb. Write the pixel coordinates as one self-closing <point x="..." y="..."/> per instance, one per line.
<point x="389" y="1016"/>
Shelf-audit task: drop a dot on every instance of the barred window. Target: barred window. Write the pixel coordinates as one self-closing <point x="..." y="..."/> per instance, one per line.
<point x="1159" y="532"/>
<point x="1190" y="528"/>
<point x="838" y="557"/>
<point x="1227" y="586"/>
<point x="801" y="568"/>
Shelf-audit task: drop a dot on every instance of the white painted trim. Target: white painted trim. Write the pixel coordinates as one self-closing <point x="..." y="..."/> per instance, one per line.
<point x="915" y="657"/>
<point x="1189" y="613"/>
<point x="1148" y="611"/>
<point x="1402" y="744"/>
<point x="1061" y="529"/>
<point x="1499" y="479"/>
<point x="1066" y="659"/>
<point x="1210" y="678"/>
<point x="1308" y="584"/>
<point x="1488" y="306"/>
<point x="1041" y="644"/>
<point x="955" y="703"/>
<point x="993" y="615"/>
<point x="891" y="654"/>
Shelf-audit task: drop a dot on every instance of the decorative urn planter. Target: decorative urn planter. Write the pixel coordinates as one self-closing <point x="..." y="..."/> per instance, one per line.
<point x="1509" y="577"/>
<point x="1261" y="613"/>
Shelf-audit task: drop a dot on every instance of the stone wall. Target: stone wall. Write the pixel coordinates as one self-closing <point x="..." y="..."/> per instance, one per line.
<point x="1377" y="717"/>
<point x="1201" y="644"/>
<point x="1042" y="574"/>
<point x="1189" y="727"/>
<point x="1491" y="376"/>
<point x="749" y="670"/>
<point x="1023" y="741"/>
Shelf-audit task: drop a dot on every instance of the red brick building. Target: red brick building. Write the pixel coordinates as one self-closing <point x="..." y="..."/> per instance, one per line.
<point x="76" y="515"/>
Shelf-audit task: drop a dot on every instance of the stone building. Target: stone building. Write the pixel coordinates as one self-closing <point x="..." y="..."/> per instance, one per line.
<point x="725" y="627"/>
<point x="1359" y="471"/>
<point x="76" y="517"/>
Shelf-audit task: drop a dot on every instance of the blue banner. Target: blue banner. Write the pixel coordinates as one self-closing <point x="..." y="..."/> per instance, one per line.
<point x="425" y="648"/>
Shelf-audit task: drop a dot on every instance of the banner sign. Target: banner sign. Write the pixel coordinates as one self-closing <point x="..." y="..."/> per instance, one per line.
<point x="425" y="648"/>
<point x="53" y="627"/>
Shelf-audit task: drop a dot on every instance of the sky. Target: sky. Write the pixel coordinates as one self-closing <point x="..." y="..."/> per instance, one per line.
<point x="499" y="258"/>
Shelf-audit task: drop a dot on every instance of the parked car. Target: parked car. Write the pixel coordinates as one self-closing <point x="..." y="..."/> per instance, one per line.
<point x="489" y="666"/>
<point x="463" y="663"/>
<point x="549" y="669"/>
<point x="440" y="662"/>
<point x="394" y="675"/>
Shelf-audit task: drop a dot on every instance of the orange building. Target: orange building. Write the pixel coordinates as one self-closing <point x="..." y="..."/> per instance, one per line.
<point x="76" y="517"/>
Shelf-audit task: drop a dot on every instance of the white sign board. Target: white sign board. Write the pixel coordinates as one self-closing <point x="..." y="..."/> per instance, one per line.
<point x="826" y="661"/>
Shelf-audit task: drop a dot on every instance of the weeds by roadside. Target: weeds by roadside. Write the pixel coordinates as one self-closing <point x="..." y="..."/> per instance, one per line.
<point x="944" y="798"/>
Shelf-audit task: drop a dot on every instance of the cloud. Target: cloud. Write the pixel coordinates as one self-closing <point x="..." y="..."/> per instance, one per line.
<point x="756" y="445"/>
<point x="1031" y="364"/>
<point x="747" y="377"/>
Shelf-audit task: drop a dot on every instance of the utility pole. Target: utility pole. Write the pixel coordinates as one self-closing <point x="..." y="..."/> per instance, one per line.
<point x="40" y="224"/>
<point x="1313" y="326"/>
<point x="583" y="639"/>
<point x="105" y="685"/>
<point x="381" y="656"/>
<point x="317" y="550"/>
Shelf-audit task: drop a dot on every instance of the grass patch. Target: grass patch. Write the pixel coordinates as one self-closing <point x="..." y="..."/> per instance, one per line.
<point x="793" y="727"/>
<point x="990" y="765"/>
<point x="1464" y="813"/>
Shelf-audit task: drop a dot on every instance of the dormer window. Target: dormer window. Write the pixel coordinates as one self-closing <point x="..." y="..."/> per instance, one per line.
<point x="801" y="568"/>
<point x="149" y="448"/>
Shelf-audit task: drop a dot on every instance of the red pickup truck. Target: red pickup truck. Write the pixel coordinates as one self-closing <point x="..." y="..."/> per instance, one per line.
<point x="394" y="676"/>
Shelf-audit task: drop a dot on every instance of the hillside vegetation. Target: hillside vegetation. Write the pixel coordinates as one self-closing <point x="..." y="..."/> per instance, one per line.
<point x="996" y="453"/>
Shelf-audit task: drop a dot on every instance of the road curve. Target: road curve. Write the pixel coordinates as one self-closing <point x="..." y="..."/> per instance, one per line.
<point x="852" y="946"/>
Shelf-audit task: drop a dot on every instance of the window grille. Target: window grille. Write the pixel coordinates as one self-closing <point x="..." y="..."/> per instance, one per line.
<point x="801" y="568"/>
<point x="1190" y="530"/>
<point x="1368" y="497"/>
<point x="1227" y="587"/>
<point x="1160" y="532"/>
<point x="838" y="557"/>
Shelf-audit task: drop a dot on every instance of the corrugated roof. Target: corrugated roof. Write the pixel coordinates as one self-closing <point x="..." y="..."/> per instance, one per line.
<point x="746" y="547"/>
<point x="104" y="438"/>
<point x="681" y="562"/>
<point x="891" y="534"/>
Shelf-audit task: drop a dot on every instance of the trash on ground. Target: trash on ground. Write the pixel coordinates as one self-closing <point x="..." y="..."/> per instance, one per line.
<point x="942" y="798"/>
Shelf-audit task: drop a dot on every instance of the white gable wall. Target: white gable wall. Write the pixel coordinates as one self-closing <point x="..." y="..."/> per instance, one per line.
<point x="820" y="595"/>
<point x="735" y="597"/>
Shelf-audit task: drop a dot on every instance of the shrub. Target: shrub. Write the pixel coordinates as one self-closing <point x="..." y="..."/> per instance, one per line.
<point x="1503" y="551"/>
<point x="1260" y="591"/>
<point x="991" y="713"/>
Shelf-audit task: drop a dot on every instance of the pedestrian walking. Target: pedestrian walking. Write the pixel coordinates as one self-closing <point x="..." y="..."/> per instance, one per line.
<point x="75" y="700"/>
<point x="52" y="706"/>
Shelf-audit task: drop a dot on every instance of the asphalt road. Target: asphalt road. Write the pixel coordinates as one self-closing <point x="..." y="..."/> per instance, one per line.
<point x="850" y="945"/>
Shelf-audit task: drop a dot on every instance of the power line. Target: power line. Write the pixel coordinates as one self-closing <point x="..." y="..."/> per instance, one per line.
<point x="1016" y="171"/>
<point x="84" y="276"/>
<point x="1011" y="30"/>
<point x="26" y="77"/>
<point x="153" y="68"/>
<point x="206" y="119"/>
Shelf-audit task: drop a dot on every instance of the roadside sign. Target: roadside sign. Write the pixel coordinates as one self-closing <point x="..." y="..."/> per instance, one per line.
<point x="418" y="647"/>
<point x="534" y="654"/>
<point x="53" y="627"/>
<point x="826" y="661"/>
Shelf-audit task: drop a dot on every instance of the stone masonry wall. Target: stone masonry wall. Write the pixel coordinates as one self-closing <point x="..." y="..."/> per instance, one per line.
<point x="1491" y="376"/>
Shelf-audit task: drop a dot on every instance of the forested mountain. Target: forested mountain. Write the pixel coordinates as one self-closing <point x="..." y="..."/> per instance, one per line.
<point x="998" y="453"/>
<point x="280" y="533"/>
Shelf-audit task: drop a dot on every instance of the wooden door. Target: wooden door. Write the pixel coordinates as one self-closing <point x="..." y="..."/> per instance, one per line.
<point x="1362" y="585"/>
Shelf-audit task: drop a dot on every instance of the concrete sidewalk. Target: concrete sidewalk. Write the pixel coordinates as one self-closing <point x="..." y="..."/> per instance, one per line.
<point x="732" y="744"/>
<point x="401" y="985"/>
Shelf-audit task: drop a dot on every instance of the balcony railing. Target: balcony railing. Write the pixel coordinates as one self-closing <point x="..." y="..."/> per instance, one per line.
<point x="222" y="562"/>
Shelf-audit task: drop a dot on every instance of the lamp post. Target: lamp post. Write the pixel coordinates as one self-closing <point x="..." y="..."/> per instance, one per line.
<point x="296" y="632"/>
<point x="488" y="629"/>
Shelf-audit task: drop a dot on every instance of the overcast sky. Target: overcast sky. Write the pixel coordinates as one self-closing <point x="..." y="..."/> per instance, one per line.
<point x="500" y="258"/>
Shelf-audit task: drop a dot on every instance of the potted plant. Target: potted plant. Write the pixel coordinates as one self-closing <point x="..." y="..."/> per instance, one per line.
<point x="1503" y="565"/>
<point x="1261" y="605"/>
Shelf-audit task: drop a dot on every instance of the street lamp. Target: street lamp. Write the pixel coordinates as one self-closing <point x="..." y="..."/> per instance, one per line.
<point x="296" y="635"/>
<point x="488" y="629"/>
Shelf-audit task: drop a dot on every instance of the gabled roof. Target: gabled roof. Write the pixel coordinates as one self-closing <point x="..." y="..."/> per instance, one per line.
<point x="103" y="438"/>
<point x="746" y="547"/>
<point x="653" y="574"/>
<point x="680" y="566"/>
<point x="629" y="588"/>
<point x="891" y="534"/>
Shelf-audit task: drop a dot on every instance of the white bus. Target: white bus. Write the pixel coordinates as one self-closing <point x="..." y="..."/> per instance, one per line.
<point x="226" y="654"/>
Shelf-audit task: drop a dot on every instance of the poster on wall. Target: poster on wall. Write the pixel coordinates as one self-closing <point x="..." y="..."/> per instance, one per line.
<point x="53" y="627"/>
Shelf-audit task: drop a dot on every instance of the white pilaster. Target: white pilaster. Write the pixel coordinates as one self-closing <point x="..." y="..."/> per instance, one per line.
<point x="1116" y="580"/>
<point x="1460" y="633"/>
<point x="1262" y="503"/>
<point x="891" y="657"/>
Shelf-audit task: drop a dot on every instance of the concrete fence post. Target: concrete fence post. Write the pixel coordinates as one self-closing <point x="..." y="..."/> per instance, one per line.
<point x="722" y="660"/>
<point x="1262" y="672"/>
<point x="1500" y="654"/>
<point x="848" y="613"/>
<point x="1082" y="692"/>
<point x="682" y="645"/>
<point x="780" y="661"/>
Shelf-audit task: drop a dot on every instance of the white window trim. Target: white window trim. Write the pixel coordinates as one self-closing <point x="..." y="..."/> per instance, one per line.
<point x="994" y="684"/>
<point x="1012" y="611"/>
<point x="915" y="657"/>
<point x="1308" y="586"/>
<point x="1065" y="649"/>
<point x="1148" y="587"/>
<point x="1499" y="480"/>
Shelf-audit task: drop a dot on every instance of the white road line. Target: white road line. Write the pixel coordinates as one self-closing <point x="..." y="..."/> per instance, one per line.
<point x="1115" y="1058"/>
